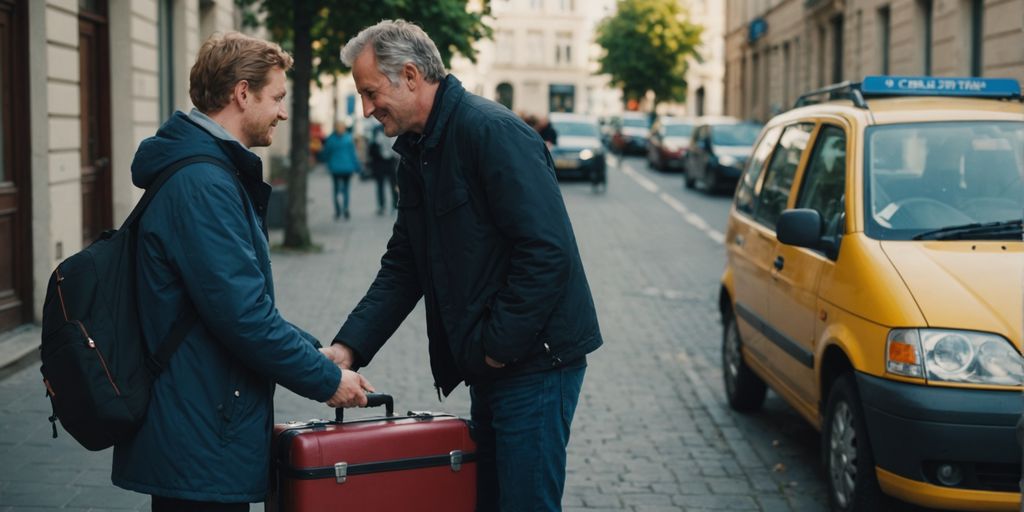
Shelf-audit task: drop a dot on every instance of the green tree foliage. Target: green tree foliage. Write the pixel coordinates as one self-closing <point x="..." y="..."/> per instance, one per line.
<point x="646" y="45"/>
<point x="314" y="31"/>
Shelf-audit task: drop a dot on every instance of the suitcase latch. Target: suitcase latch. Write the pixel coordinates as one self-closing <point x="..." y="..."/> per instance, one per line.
<point x="456" y="460"/>
<point x="340" y="472"/>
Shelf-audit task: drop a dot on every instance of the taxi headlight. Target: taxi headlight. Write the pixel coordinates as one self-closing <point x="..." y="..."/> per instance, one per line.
<point x="727" y="160"/>
<point x="954" y="356"/>
<point x="586" y="154"/>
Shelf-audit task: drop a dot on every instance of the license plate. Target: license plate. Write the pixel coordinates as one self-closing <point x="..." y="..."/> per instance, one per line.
<point x="564" y="163"/>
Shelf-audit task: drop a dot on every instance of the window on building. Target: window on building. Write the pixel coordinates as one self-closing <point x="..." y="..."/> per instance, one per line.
<point x="884" y="38"/>
<point x="505" y="94"/>
<point x="504" y="47"/>
<point x="567" y="5"/>
<point x="822" y="42"/>
<point x="165" y="55"/>
<point x="535" y="47"/>
<point x="837" y="49"/>
<point x="976" y="38"/>
<point x="563" y="48"/>
<point x="536" y="5"/>
<point x="787" y="70"/>
<point x="924" y="28"/>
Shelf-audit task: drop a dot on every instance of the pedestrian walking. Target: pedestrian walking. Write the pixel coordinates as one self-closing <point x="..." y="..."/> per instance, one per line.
<point x="384" y="165"/>
<point x="547" y="132"/>
<point x="482" y="234"/>
<point x="339" y="154"/>
<point x="203" y="253"/>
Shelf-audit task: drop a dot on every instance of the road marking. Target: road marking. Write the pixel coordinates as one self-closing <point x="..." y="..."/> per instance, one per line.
<point x="690" y="217"/>
<point x="640" y="179"/>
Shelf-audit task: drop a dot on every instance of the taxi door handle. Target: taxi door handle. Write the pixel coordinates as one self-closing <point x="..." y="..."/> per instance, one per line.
<point x="779" y="262"/>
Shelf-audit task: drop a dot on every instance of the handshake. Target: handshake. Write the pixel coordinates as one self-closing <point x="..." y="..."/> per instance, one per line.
<point x="353" y="387"/>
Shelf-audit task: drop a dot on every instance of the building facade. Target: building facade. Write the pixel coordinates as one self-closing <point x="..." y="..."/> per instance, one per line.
<point x="82" y="82"/>
<point x="543" y="58"/>
<point x="705" y="77"/>
<point x="777" y="49"/>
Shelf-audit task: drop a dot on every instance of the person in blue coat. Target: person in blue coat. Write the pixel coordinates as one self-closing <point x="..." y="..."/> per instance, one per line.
<point x="339" y="154"/>
<point x="205" y="442"/>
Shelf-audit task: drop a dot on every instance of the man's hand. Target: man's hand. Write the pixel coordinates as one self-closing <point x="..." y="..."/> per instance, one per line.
<point x="351" y="390"/>
<point x="340" y="355"/>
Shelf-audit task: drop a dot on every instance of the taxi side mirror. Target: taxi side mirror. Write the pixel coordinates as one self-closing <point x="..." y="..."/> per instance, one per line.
<point x="801" y="227"/>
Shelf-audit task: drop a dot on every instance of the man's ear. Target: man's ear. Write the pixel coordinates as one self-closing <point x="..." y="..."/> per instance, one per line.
<point x="241" y="94"/>
<point x="410" y="75"/>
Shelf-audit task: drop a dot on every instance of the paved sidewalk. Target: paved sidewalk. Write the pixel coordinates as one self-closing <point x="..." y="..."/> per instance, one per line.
<point x="652" y="431"/>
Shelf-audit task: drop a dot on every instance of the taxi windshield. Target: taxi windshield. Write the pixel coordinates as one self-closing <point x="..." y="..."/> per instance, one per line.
<point x="943" y="178"/>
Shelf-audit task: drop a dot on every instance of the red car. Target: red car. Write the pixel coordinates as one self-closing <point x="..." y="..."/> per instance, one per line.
<point x="668" y="143"/>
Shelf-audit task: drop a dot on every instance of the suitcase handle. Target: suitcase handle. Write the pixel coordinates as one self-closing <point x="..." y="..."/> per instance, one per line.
<point x="372" y="400"/>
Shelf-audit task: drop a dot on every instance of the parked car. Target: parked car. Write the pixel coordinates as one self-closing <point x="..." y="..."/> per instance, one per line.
<point x="630" y="132"/>
<point x="579" y="152"/>
<point x="719" y="150"/>
<point x="669" y="140"/>
<point x="873" y="281"/>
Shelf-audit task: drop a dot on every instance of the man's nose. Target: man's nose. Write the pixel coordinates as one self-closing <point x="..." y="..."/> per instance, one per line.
<point x="367" y="108"/>
<point x="282" y="113"/>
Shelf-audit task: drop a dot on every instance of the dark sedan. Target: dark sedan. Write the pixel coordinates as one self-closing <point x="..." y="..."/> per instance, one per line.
<point x="718" y="152"/>
<point x="579" y="152"/>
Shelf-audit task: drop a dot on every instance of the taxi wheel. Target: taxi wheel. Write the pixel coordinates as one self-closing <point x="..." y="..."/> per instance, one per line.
<point x="744" y="389"/>
<point x="852" y="484"/>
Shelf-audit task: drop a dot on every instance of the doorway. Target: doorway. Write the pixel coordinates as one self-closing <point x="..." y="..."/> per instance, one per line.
<point x="15" y="199"/>
<point x="94" y="73"/>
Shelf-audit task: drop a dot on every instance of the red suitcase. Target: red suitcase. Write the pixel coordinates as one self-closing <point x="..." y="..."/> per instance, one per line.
<point x="421" y="461"/>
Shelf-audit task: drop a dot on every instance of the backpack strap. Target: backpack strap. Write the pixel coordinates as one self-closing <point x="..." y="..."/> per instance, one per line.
<point x="187" y="318"/>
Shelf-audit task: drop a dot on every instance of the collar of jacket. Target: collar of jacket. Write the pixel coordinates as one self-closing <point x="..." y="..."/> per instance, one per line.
<point x="449" y="94"/>
<point x="248" y="167"/>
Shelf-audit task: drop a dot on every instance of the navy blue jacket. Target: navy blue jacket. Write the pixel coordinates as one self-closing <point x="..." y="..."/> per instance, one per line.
<point x="207" y="432"/>
<point x="483" y="234"/>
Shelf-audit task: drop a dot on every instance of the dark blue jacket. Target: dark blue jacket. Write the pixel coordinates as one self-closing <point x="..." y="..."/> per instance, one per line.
<point x="483" y="234"/>
<point x="207" y="431"/>
<point x="339" y="153"/>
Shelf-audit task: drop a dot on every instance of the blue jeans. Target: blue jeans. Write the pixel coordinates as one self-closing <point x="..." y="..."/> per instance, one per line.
<point x="522" y="431"/>
<point x="341" y="182"/>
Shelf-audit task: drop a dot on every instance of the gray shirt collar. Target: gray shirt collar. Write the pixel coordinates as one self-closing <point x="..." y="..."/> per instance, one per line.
<point x="213" y="127"/>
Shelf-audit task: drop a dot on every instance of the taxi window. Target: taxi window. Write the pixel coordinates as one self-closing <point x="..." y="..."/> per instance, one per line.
<point x="778" y="180"/>
<point x="926" y="176"/>
<point x="824" y="184"/>
<point x="745" y="190"/>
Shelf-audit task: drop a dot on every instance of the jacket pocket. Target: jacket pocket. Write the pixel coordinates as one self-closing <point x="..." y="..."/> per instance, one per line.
<point x="228" y="410"/>
<point x="451" y="200"/>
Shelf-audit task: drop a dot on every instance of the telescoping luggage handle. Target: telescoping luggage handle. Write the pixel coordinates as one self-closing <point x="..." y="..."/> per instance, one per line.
<point x="372" y="400"/>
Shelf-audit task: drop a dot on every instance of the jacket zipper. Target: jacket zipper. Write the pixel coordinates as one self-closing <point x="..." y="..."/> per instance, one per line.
<point x="103" y="362"/>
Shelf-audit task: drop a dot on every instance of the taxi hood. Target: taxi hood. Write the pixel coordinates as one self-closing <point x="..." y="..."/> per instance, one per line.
<point x="973" y="285"/>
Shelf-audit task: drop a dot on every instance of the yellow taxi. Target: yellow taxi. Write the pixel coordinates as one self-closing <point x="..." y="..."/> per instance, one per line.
<point x="874" y="281"/>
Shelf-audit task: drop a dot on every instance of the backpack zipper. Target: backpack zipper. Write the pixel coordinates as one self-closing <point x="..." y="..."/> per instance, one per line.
<point x="103" y="363"/>
<point x="60" y="294"/>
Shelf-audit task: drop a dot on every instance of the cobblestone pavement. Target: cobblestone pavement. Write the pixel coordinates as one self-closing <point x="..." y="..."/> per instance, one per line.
<point x="652" y="431"/>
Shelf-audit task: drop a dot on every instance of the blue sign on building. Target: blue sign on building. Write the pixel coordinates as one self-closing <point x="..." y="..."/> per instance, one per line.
<point x="756" y="29"/>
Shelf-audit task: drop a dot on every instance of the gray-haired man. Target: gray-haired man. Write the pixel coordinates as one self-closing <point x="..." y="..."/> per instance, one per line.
<point x="483" y="236"/>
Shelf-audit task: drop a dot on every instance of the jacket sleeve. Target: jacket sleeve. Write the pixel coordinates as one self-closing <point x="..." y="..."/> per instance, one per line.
<point x="524" y="200"/>
<point x="391" y="297"/>
<point x="215" y="255"/>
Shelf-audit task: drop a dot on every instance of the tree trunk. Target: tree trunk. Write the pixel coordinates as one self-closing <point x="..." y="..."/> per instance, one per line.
<point x="296" y="230"/>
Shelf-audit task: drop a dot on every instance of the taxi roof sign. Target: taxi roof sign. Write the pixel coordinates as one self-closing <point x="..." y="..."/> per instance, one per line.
<point x="940" y="86"/>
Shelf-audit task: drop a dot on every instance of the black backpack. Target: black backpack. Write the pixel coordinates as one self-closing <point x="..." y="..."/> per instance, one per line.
<point x="96" y="367"/>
